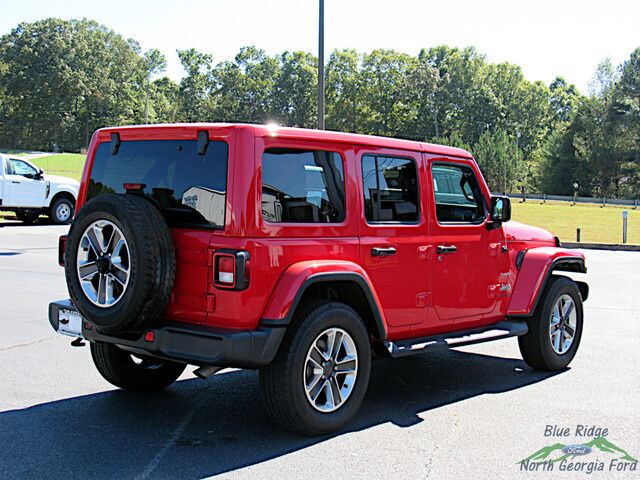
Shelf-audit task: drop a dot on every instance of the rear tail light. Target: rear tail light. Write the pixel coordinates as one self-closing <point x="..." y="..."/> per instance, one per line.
<point x="226" y="270"/>
<point x="62" y="246"/>
<point x="231" y="269"/>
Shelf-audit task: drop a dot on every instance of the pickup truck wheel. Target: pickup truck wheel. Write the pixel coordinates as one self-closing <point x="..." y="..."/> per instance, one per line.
<point x="555" y="329"/>
<point x="320" y="375"/>
<point x="27" y="217"/>
<point x="120" y="265"/>
<point x="129" y="372"/>
<point x="61" y="211"/>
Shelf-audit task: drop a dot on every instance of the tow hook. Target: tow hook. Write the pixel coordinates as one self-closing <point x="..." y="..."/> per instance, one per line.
<point x="78" y="342"/>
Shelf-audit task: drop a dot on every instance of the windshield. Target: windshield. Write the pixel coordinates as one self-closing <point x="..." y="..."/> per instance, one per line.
<point x="190" y="188"/>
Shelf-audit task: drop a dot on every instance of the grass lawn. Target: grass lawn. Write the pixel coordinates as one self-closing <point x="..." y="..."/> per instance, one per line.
<point x="598" y="224"/>
<point x="64" y="164"/>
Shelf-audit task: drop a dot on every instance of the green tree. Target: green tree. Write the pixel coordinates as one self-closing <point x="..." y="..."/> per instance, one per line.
<point x="563" y="100"/>
<point x="194" y="97"/>
<point x="63" y="79"/>
<point x="164" y="101"/>
<point x="343" y="96"/>
<point x="154" y="63"/>
<point x="244" y="89"/>
<point x="458" y="106"/>
<point x="388" y="106"/>
<point x="625" y="113"/>
<point x="499" y="159"/>
<point x="295" y="89"/>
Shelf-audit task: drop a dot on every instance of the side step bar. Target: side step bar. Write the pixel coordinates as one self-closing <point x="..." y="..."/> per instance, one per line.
<point x="505" y="329"/>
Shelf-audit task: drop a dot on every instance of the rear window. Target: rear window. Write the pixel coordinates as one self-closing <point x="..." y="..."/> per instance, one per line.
<point x="190" y="188"/>
<point x="302" y="186"/>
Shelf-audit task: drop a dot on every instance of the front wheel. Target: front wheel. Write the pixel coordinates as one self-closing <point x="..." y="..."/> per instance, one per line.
<point x="320" y="375"/>
<point x="555" y="329"/>
<point x="61" y="211"/>
<point x="133" y="373"/>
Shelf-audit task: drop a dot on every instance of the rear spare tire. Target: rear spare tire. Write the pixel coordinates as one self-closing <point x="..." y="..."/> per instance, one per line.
<point x="120" y="263"/>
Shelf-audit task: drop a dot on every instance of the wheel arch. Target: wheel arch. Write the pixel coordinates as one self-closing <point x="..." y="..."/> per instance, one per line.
<point x="535" y="271"/>
<point x="63" y="194"/>
<point x="345" y="282"/>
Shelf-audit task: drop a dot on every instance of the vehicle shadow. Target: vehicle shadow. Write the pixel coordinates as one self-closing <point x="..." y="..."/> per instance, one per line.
<point x="14" y="222"/>
<point x="196" y="429"/>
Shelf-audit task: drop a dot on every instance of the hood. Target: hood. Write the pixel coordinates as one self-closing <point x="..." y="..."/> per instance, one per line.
<point x="55" y="179"/>
<point x="520" y="232"/>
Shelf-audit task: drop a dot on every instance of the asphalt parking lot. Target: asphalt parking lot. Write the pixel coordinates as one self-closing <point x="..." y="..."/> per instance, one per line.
<point x="471" y="413"/>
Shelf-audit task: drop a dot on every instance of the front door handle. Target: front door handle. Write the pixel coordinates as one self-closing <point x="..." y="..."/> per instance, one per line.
<point x="14" y="181"/>
<point x="383" y="252"/>
<point x="446" y="249"/>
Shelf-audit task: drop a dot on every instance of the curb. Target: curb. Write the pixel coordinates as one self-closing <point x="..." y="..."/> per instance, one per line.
<point x="603" y="246"/>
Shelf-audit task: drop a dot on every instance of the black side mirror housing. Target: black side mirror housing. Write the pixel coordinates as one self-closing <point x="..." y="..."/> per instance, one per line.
<point x="500" y="209"/>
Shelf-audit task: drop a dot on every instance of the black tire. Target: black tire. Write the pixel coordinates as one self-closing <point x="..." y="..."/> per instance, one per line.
<point x="282" y="380"/>
<point x="28" y="217"/>
<point x="119" y="368"/>
<point x="151" y="258"/>
<point x="57" y="216"/>
<point x="535" y="346"/>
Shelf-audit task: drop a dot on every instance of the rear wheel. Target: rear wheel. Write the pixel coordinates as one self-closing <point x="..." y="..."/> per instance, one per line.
<point x="318" y="380"/>
<point x="555" y="329"/>
<point x="130" y="372"/>
<point x="27" y="216"/>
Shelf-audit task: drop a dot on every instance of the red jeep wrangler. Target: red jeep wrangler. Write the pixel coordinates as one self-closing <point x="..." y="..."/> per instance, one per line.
<point x="299" y="252"/>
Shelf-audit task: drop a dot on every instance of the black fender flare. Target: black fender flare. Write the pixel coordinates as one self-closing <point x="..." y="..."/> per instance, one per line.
<point x="352" y="277"/>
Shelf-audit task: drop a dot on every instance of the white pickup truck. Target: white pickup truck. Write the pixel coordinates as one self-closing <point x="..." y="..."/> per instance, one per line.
<point x="28" y="192"/>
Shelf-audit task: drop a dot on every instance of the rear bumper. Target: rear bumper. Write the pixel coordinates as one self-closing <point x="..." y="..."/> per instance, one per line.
<point x="195" y="344"/>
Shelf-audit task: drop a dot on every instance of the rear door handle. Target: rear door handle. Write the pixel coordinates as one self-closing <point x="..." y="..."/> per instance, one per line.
<point x="446" y="249"/>
<point x="383" y="252"/>
<point x="14" y="181"/>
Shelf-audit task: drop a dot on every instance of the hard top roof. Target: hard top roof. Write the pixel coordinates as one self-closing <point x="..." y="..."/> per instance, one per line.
<point x="296" y="133"/>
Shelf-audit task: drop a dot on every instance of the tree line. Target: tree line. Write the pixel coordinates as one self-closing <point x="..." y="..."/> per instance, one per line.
<point x="62" y="79"/>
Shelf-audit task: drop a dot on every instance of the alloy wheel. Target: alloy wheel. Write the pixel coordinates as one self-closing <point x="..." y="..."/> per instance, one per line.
<point x="103" y="263"/>
<point x="330" y="370"/>
<point x="562" y="327"/>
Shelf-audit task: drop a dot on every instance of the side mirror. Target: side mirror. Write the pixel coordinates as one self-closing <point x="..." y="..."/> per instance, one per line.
<point x="39" y="175"/>
<point x="500" y="209"/>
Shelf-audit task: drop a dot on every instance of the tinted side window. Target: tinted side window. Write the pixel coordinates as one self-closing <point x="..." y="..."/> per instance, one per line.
<point x="302" y="186"/>
<point x="390" y="189"/>
<point x="457" y="194"/>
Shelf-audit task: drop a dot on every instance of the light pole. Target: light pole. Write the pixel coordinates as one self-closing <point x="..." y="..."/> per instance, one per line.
<point x="575" y="191"/>
<point x="321" y="66"/>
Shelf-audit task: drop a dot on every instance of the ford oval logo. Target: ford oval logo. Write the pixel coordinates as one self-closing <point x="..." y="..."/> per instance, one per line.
<point x="576" y="449"/>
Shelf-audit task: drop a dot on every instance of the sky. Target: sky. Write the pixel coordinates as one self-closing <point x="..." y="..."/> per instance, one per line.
<point x="547" y="38"/>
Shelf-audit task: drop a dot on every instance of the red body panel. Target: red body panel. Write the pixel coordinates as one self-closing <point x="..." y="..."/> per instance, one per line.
<point x="534" y="270"/>
<point x="417" y="291"/>
<point x="294" y="277"/>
